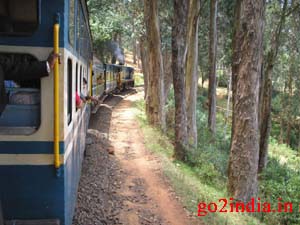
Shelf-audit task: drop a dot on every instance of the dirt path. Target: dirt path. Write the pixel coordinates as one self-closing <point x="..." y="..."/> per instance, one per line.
<point x="146" y="191"/>
<point x="136" y="193"/>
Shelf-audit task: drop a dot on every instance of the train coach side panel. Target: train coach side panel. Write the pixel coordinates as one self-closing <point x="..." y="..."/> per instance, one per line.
<point x="74" y="155"/>
<point x="32" y="192"/>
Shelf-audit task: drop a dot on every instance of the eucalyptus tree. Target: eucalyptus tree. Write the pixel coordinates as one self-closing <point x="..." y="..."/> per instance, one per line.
<point x="192" y="71"/>
<point x="212" y="96"/>
<point x="179" y="34"/>
<point x="247" y="60"/>
<point x="155" y="91"/>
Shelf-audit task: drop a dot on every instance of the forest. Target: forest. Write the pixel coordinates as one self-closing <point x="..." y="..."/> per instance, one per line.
<point x="222" y="88"/>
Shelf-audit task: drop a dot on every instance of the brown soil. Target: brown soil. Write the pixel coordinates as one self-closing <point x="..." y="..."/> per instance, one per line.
<point x="130" y="181"/>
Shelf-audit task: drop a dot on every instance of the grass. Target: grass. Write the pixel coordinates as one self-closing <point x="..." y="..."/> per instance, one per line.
<point x="138" y="79"/>
<point x="285" y="155"/>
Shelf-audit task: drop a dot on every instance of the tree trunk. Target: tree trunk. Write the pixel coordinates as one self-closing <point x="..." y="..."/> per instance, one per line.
<point x="266" y="92"/>
<point x="289" y="103"/>
<point x="155" y="97"/>
<point x="243" y="161"/>
<point x="288" y="134"/>
<point x="192" y="71"/>
<point x="138" y="55"/>
<point x="134" y="52"/>
<point x="144" y="59"/>
<point x="265" y="117"/>
<point x="235" y="60"/>
<point x="167" y="72"/>
<point x="281" y="135"/>
<point x="228" y="104"/>
<point x="212" y="66"/>
<point x="178" y="61"/>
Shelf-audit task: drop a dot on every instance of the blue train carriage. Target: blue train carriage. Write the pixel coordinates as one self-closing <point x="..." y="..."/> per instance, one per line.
<point x="42" y="134"/>
<point x="110" y="78"/>
<point x="127" y="77"/>
<point x="98" y="80"/>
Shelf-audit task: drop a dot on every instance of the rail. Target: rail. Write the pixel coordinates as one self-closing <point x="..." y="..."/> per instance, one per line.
<point x="56" y="97"/>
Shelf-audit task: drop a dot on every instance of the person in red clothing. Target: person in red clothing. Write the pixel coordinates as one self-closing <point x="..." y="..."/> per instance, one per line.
<point x="81" y="98"/>
<point x="78" y="101"/>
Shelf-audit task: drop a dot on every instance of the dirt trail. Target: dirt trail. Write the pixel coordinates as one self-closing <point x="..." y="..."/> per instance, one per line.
<point x="128" y="187"/>
<point x="144" y="187"/>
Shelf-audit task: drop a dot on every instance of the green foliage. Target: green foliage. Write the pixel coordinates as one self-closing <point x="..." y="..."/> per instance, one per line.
<point x="138" y="79"/>
<point x="281" y="180"/>
<point x="222" y="78"/>
<point x="114" y="21"/>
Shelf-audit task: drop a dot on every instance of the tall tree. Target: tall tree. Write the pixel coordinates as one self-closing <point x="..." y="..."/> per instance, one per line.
<point x="243" y="161"/>
<point x="155" y="91"/>
<point x="144" y="59"/>
<point x="179" y="30"/>
<point x="192" y="71"/>
<point x="212" y="66"/>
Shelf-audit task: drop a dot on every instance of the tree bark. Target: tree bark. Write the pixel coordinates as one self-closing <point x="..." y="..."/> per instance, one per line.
<point x="155" y="98"/>
<point x="144" y="59"/>
<point x="244" y="152"/>
<point x="192" y="71"/>
<point x="228" y="104"/>
<point x="134" y="52"/>
<point x="289" y="103"/>
<point x="266" y="92"/>
<point x="212" y="66"/>
<point x="235" y="60"/>
<point x="168" y="79"/>
<point x="178" y="61"/>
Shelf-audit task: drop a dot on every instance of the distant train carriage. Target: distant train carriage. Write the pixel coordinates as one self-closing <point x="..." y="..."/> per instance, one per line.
<point x="127" y="77"/>
<point x="99" y="84"/>
<point x="109" y="77"/>
<point x="42" y="137"/>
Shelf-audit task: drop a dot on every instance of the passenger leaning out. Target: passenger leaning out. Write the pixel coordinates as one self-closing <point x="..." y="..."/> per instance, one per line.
<point x="12" y="68"/>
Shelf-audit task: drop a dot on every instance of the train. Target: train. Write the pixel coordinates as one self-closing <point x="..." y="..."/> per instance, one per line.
<point x="111" y="77"/>
<point x="42" y="132"/>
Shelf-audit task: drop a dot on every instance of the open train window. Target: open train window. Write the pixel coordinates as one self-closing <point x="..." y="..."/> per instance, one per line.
<point x="76" y="82"/>
<point x="22" y="101"/>
<point x="18" y="17"/>
<point x="70" y="91"/>
<point x="80" y="80"/>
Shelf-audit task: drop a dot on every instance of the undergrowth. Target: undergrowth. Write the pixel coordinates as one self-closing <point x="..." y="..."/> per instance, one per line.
<point x="138" y="79"/>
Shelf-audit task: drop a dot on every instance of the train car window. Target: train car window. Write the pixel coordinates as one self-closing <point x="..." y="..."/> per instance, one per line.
<point x="80" y="80"/>
<point x="76" y="80"/>
<point x="70" y="91"/>
<point x="18" y="17"/>
<point x="21" y="115"/>
<point x="83" y="44"/>
<point x="72" y="22"/>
